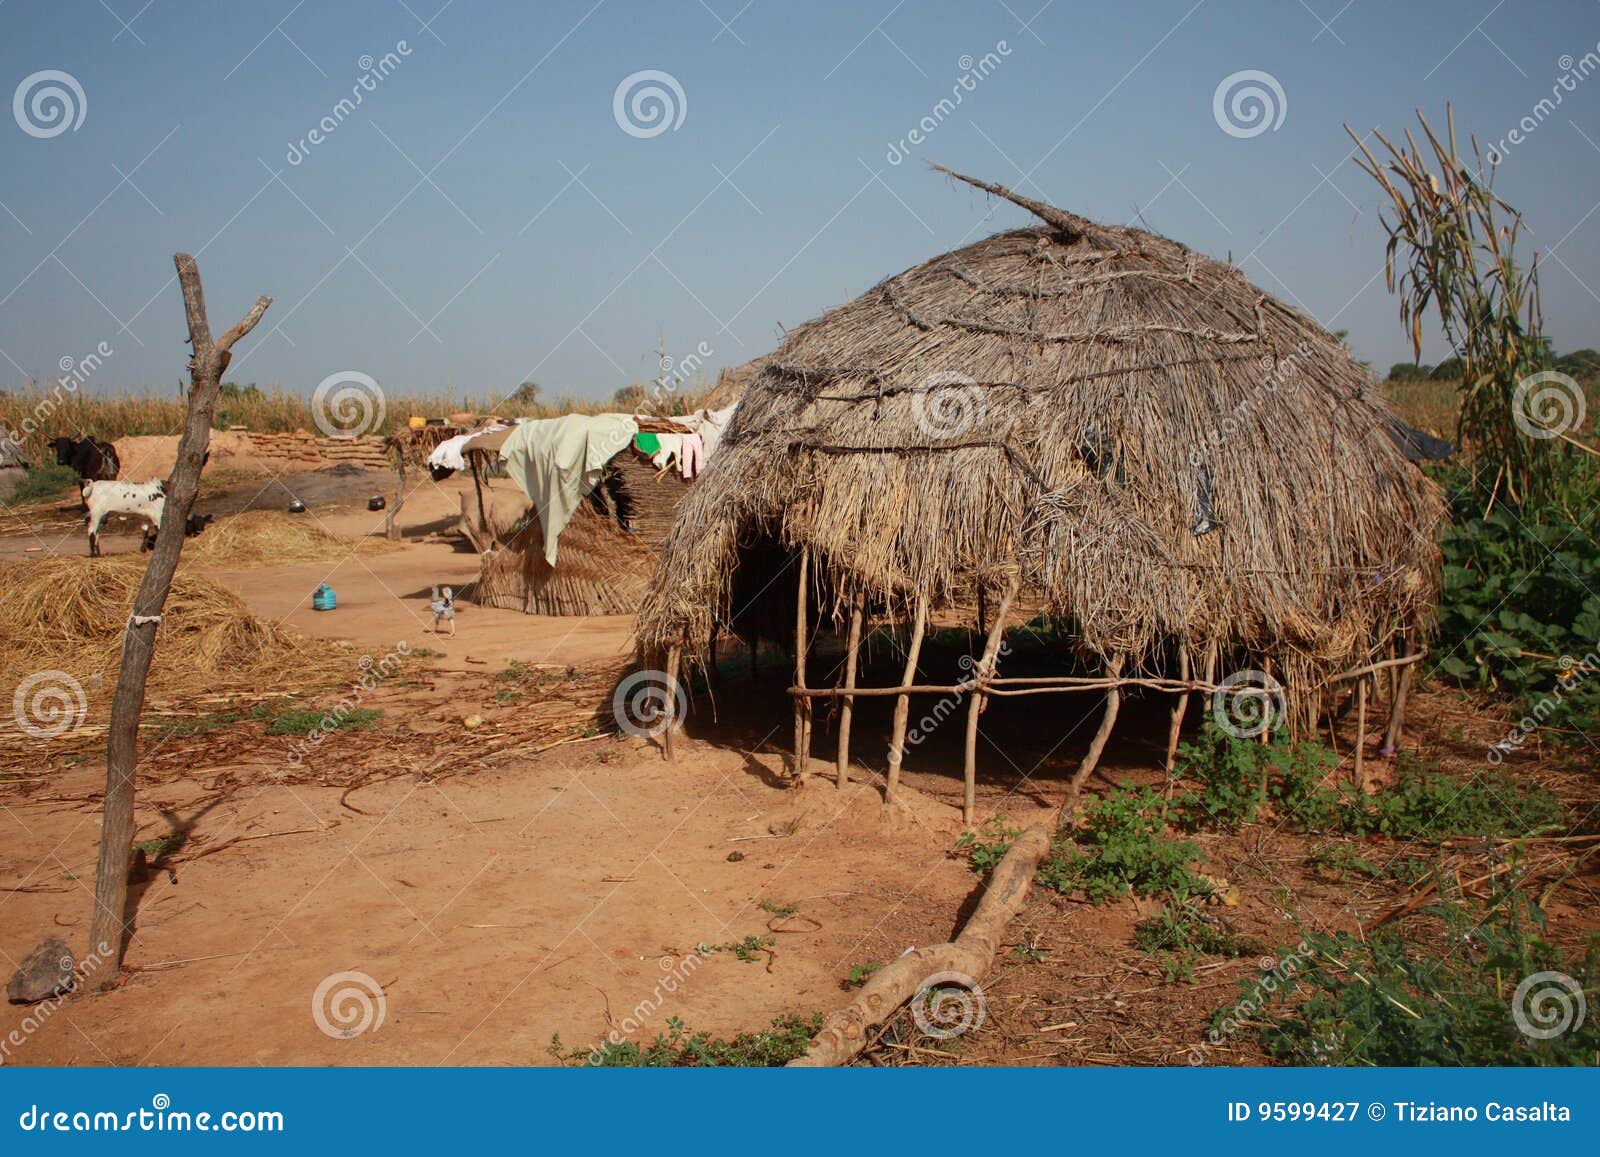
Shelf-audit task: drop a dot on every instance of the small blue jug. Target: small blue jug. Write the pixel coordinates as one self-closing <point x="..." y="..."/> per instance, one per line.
<point x="323" y="598"/>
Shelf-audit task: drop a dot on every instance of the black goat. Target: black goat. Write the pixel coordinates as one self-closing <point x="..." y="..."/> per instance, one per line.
<point x="91" y="459"/>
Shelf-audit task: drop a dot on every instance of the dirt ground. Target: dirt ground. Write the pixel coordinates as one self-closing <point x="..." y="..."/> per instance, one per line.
<point x="499" y="893"/>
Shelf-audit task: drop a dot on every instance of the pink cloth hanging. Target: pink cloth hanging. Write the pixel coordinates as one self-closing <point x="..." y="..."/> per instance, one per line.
<point x="693" y="455"/>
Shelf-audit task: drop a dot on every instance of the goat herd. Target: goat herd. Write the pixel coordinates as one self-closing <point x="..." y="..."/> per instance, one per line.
<point x="97" y="466"/>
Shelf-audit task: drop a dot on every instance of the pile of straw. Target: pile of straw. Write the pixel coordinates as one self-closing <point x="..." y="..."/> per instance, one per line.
<point x="70" y="614"/>
<point x="273" y="538"/>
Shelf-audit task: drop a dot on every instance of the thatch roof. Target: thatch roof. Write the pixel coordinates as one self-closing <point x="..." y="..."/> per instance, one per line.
<point x="1161" y="450"/>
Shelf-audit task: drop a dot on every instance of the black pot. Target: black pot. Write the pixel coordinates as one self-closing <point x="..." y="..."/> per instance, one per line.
<point x="376" y="503"/>
<point x="297" y="507"/>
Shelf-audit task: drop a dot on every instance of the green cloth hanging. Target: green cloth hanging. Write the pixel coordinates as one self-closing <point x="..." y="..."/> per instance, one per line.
<point x="649" y="445"/>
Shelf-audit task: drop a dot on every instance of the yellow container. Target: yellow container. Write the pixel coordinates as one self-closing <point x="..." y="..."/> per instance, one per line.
<point x="416" y="422"/>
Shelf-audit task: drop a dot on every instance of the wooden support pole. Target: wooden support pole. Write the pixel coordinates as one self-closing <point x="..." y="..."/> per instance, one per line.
<point x="984" y="669"/>
<point x="851" y="658"/>
<point x="1091" y="758"/>
<point x="1397" y="712"/>
<point x="208" y="360"/>
<point x="1361" y="729"/>
<point x="673" y="659"/>
<point x="802" y="703"/>
<point x="1179" y="709"/>
<point x="902" y="704"/>
<point x="391" y="524"/>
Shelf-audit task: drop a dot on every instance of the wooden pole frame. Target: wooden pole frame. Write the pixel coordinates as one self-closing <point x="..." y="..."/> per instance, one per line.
<point x="802" y="703"/>
<point x="208" y="360"/>
<point x="902" y="704"/>
<point x="1179" y="709"/>
<point x="852" y="657"/>
<point x="981" y="674"/>
<point x="391" y="524"/>
<point x="1097" y="745"/>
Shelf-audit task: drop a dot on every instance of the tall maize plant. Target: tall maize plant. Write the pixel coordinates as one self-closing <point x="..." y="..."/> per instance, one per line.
<point x="1451" y="247"/>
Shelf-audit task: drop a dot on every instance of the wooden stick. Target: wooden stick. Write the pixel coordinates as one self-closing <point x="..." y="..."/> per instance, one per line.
<point x="852" y="649"/>
<point x="1179" y="709"/>
<point x="1091" y="758"/>
<point x="1397" y="713"/>
<point x="902" y="706"/>
<point x="844" y="1034"/>
<point x="985" y="668"/>
<point x="802" y="704"/>
<point x="391" y="529"/>
<point x="208" y="360"/>
<point x="1361" y="730"/>
<point x="672" y="705"/>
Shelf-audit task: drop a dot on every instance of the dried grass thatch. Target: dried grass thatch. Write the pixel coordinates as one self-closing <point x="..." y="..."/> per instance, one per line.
<point x="71" y="614"/>
<point x="601" y="568"/>
<point x="1160" y="452"/>
<point x="273" y="538"/>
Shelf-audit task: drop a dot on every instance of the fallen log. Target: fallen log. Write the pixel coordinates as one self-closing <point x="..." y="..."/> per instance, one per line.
<point x="844" y="1034"/>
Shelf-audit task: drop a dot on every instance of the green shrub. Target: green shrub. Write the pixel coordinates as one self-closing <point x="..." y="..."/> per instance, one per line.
<point x="1122" y="846"/>
<point x="42" y="483"/>
<point x="1182" y="931"/>
<point x="987" y="846"/>
<point x="1384" y="1001"/>
<point x="1237" y="779"/>
<point x="1429" y="805"/>
<point x="1518" y="615"/>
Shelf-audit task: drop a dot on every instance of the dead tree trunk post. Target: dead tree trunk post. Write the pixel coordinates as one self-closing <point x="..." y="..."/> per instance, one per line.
<point x="802" y="704"/>
<point x="391" y="524"/>
<point x="207" y="361"/>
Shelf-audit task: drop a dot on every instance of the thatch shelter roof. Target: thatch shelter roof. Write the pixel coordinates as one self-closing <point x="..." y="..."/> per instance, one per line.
<point x="1157" y="450"/>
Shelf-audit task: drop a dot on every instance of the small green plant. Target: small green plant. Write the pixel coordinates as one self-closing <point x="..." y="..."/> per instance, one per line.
<point x="185" y="726"/>
<point x="1238" y="779"/>
<point x="1182" y="932"/>
<point x="1337" y="862"/>
<point x="987" y="846"/>
<point x="303" y="722"/>
<point x="42" y="483"/>
<point x="1385" y="1000"/>
<point x="1429" y="805"/>
<point x="1029" y="951"/>
<point x="425" y="653"/>
<point x="1122" y="846"/>
<point x="784" y="1040"/>
<point x="861" y="973"/>
<point x="159" y="846"/>
<point x="779" y="910"/>
<point x="746" y="950"/>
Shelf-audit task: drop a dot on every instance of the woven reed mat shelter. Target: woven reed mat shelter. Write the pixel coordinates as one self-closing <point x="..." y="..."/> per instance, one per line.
<point x="602" y="568"/>
<point x="1188" y="477"/>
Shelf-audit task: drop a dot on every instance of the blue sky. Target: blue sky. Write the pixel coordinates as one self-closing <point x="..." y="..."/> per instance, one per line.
<point x="482" y="217"/>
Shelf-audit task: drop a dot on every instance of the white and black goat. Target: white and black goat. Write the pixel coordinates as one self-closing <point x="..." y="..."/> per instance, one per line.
<point x="144" y="500"/>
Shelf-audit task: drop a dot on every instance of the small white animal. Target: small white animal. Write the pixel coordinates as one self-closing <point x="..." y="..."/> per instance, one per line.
<point x="443" y="607"/>
<point x="145" y="499"/>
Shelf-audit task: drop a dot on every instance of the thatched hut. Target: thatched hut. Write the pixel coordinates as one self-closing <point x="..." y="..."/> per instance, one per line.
<point x="607" y="551"/>
<point x="1090" y="422"/>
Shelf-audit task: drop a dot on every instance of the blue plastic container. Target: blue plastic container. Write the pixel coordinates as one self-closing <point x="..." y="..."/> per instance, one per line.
<point x="323" y="598"/>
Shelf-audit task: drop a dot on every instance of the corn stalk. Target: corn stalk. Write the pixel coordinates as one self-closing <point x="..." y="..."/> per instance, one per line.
<point x="1451" y="246"/>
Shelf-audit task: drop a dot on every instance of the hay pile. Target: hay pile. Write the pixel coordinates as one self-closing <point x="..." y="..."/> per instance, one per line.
<point x="70" y="614"/>
<point x="273" y="538"/>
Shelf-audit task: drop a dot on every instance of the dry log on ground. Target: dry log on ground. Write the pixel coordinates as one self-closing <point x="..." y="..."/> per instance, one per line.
<point x="845" y="1032"/>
